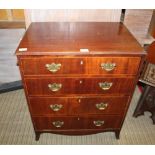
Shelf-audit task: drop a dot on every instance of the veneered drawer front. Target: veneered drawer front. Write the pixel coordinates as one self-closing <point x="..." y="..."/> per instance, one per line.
<point x="101" y="105"/>
<point x="78" y="105"/>
<point x="81" y="65"/>
<point x="113" y="65"/>
<point x="67" y="86"/>
<point x="53" y="66"/>
<point x="79" y="122"/>
<point x="46" y="106"/>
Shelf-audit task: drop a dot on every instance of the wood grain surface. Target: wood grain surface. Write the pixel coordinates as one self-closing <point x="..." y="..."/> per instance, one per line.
<point x="72" y="66"/>
<point x="73" y="86"/>
<point x="80" y="48"/>
<point x="60" y="38"/>
<point x="77" y="105"/>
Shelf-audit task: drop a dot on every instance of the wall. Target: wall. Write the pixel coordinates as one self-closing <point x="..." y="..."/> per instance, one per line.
<point x="105" y="15"/>
<point x="138" y="22"/>
<point x="11" y="15"/>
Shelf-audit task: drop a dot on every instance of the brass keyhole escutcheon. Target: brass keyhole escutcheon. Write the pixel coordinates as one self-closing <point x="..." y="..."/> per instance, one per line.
<point x="81" y="62"/>
<point x="80" y="81"/>
<point x="79" y="100"/>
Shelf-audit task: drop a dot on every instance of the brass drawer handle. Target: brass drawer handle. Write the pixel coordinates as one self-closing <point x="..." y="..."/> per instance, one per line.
<point x="101" y="106"/>
<point x="98" y="123"/>
<point x="105" y="85"/>
<point x="53" y="67"/>
<point x="58" y="124"/>
<point x="56" y="107"/>
<point x="108" y="66"/>
<point x="55" y="86"/>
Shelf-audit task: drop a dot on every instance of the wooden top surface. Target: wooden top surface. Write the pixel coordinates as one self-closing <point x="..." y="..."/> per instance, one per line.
<point x="63" y="38"/>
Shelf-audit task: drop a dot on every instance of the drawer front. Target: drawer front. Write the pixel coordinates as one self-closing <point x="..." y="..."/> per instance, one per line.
<point x="91" y="65"/>
<point x="78" y="105"/>
<point x="65" y="86"/>
<point x="53" y="66"/>
<point x="81" y="122"/>
<point x="113" y="65"/>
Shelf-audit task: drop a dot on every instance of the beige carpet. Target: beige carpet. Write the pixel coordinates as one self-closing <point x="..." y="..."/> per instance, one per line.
<point x="16" y="126"/>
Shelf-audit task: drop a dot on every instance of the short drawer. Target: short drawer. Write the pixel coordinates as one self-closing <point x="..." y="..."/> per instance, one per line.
<point x="78" y="105"/>
<point x="53" y="66"/>
<point x="113" y="65"/>
<point x="81" y="122"/>
<point x="67" y="86"/>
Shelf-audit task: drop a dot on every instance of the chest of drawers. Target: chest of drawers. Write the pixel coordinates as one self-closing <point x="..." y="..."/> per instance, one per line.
<point x="78" y="77"/>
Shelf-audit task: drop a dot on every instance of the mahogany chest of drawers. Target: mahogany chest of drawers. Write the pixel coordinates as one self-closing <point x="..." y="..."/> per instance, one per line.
<point x="78" y="77"/>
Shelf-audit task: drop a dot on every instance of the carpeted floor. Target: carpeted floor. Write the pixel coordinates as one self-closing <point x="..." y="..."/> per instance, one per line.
<point x="16" y="126"/>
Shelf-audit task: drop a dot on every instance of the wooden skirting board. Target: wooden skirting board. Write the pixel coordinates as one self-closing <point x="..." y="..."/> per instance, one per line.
<point x="12" y="25"/>
<point x="10" y="86"/>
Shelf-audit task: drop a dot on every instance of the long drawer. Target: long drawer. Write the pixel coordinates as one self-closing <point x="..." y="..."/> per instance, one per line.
<point x="54" y="66"/>
<point x="77" y="105"/>
<point x="65" y="86"/>
<point x="81" y="122"/>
